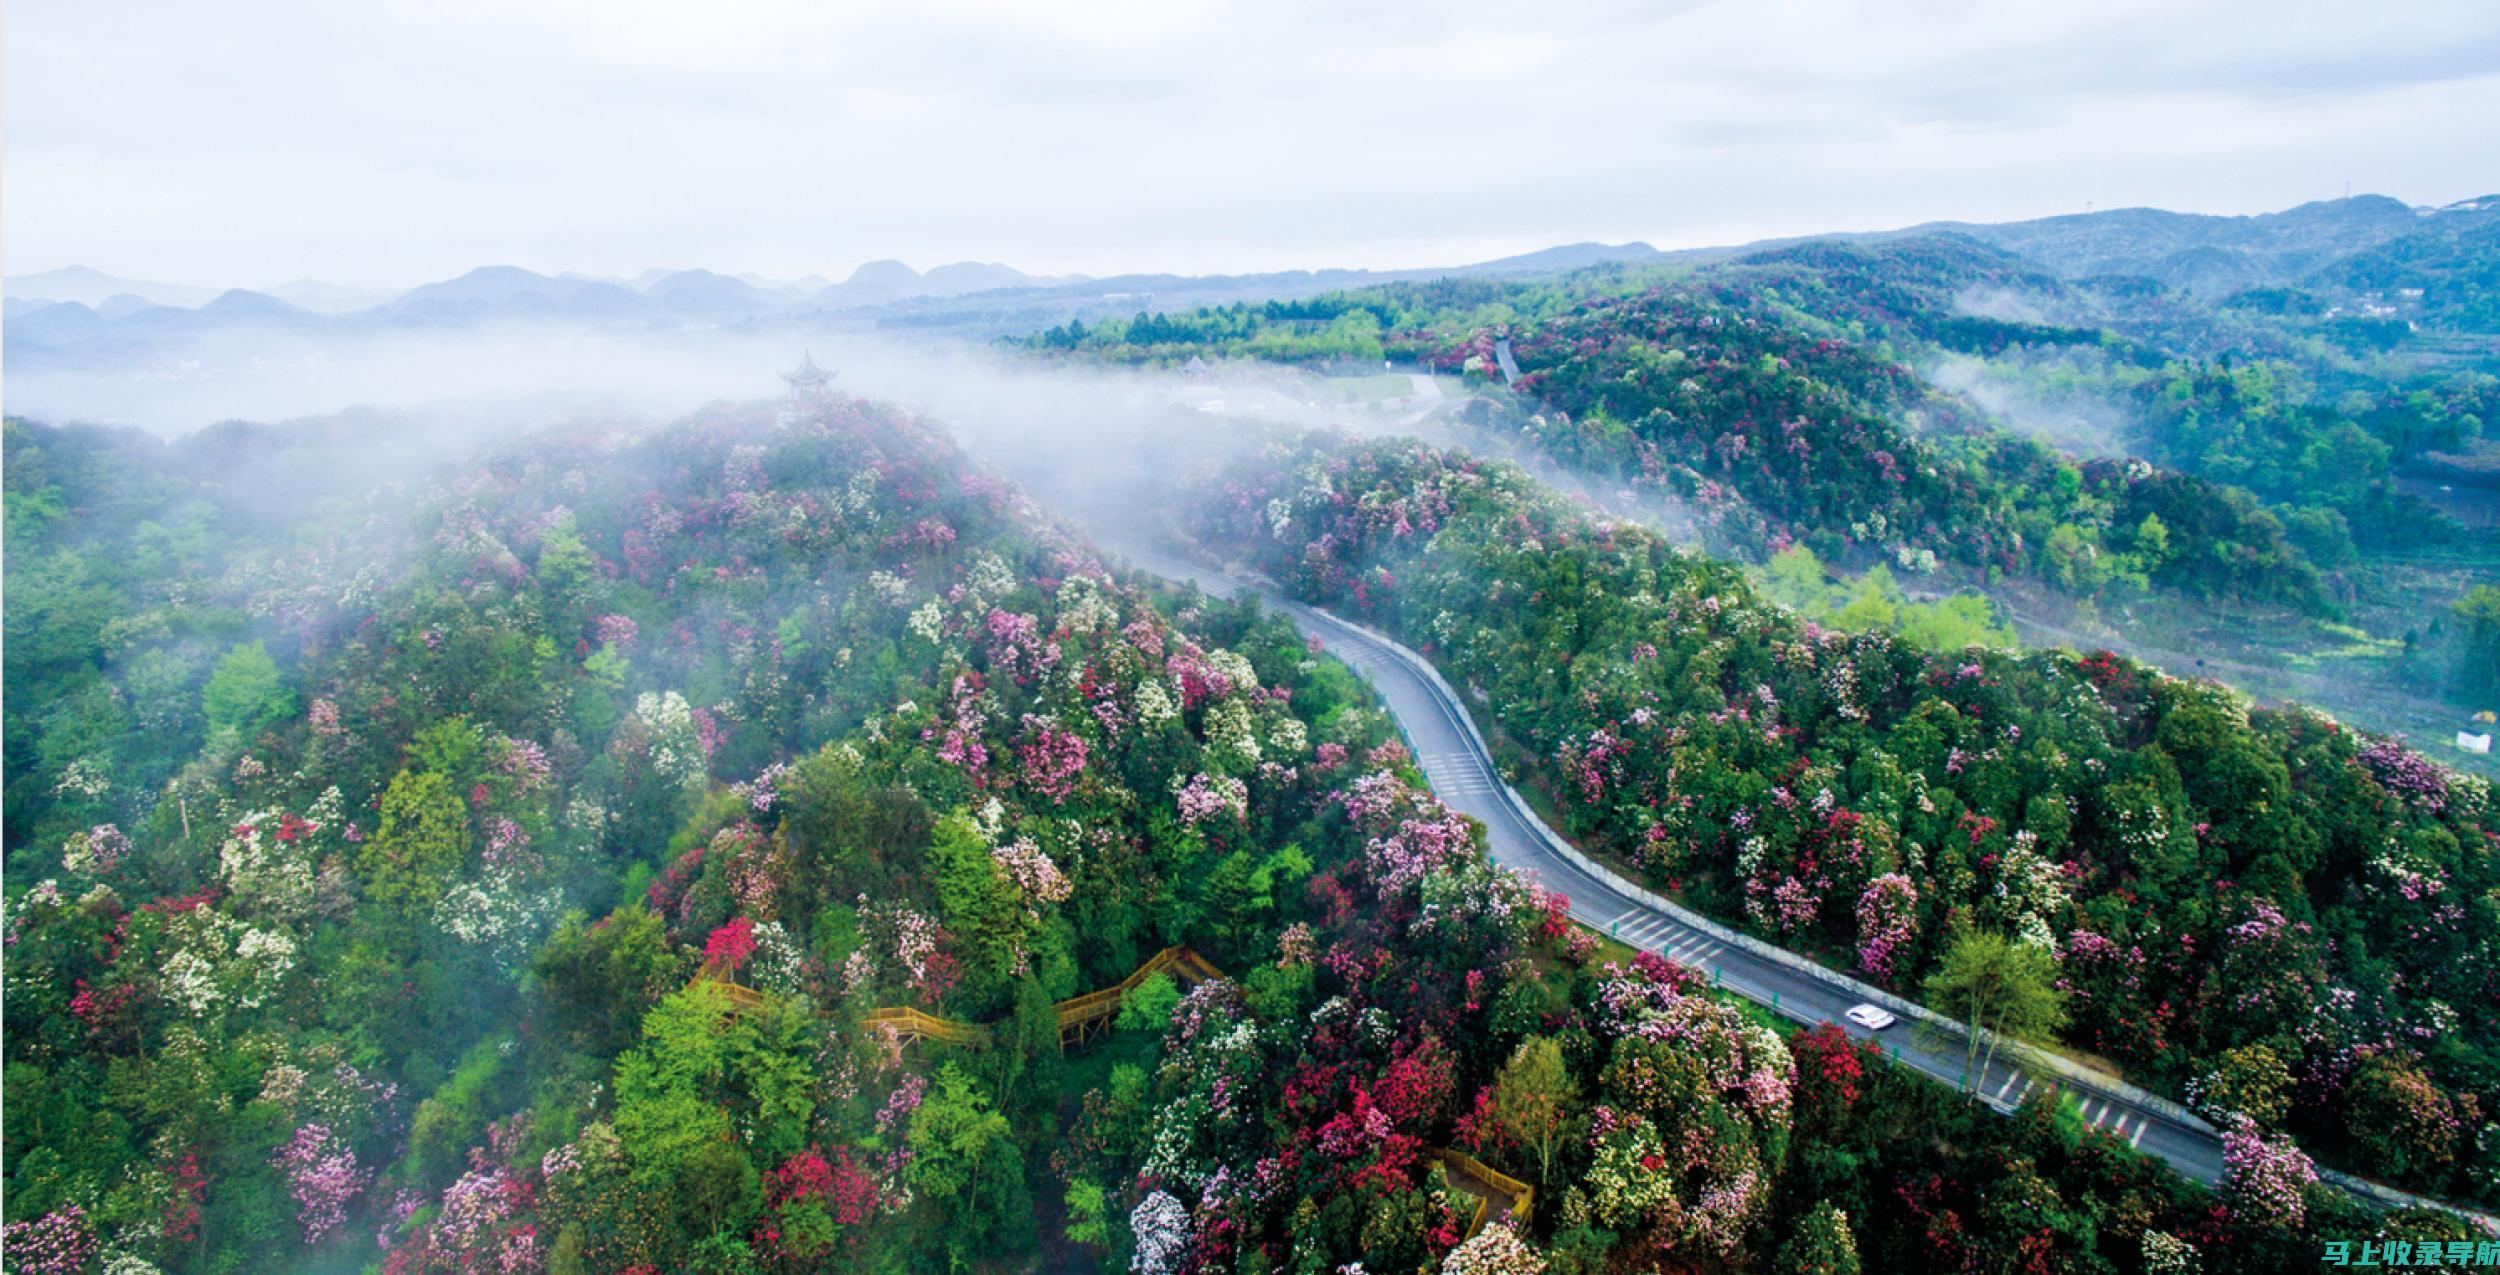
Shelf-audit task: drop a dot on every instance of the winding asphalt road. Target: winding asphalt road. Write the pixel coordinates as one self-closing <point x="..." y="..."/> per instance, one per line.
<point x="1453" y="757"/>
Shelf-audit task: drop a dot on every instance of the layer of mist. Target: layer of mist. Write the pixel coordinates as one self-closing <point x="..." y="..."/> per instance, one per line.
<point x="1098" y="444"/>
<point x="2078" y="423"/>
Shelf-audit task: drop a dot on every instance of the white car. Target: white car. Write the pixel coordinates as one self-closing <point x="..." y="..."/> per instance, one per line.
<point x="1870" y="1018"/>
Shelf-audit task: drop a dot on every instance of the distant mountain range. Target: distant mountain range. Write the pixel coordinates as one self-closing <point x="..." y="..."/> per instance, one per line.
<point x="76" y="316"/>
<point x="2208" y="255"/>
<point x="490" y="289"/>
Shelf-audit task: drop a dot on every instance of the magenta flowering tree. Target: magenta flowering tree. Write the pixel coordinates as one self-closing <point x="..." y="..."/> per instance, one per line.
<point x="2405" y="772"/>
<point x="2273" y="967"/>
<point x="1016" y="646"/>
<point x="322" y="1175"/>
<point x="1419" y="847"/>
<point x="1694" y="1112"/>
<point x="730" y="945"/>
<point x="962" y="744"/>
<point x="485" y="1223"/>
<point x="61" y="1242"/>
<point x="1053" y="758"/>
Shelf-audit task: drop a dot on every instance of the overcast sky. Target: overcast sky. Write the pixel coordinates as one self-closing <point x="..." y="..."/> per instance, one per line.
<point x="390" y="142"/>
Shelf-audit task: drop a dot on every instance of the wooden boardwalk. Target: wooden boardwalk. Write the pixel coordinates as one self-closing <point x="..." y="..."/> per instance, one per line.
<point x="1088" y="1017"/>
<point x="912" y="1026"/>
<point x="1082" y="1019"/>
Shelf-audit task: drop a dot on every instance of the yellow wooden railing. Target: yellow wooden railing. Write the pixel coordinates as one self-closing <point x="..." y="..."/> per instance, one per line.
<point x="1089" y="1016"/>
<point x="742" y="998"/>
<point x="1490" y="1186"/>
<point x="912" y="1026"/>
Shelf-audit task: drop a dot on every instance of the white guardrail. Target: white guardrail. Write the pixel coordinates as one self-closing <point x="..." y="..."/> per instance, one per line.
<point x="2076" y="1074"/>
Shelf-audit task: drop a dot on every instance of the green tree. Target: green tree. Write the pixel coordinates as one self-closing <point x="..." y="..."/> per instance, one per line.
<point x="1534" y="1099"/>
<point x="980" y="907"/>
<point x="1875" y="607"/>
<point x="246" y="691"/>
<point x="2152" y="542"/>
<point x="966" y="1169"/>
<point x="422" y="844"/>
<point x="597" y="980"/>
<point x="1956" y="623"/>
<point x="453" y="1118"/>
<point x="2000" y="988"/>
<point x="1148" y="1006"/>
<point x="1821" y="1244"/>
<point x="1088" y="1221"/>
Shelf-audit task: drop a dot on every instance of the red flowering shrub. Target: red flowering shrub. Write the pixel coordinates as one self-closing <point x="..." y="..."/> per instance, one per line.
<point x="730" y="945"/>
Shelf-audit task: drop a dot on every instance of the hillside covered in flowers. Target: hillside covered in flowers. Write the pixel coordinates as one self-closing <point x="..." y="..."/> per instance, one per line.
<point x="2274" y="917"/>
<point x="534" y="866"/>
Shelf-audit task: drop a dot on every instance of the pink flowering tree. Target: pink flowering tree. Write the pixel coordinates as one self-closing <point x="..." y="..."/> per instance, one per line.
<point x="486" y="1223"/>
<point x="1034" y="874"/>
<point x="1053" y="758"/>
<point x="322" y="1175"/>
<point x="2264" y="1179"/>
<point x="2402" y="771"/>
<point x="1203" y="797"/>
<point x="1887" y="923"/>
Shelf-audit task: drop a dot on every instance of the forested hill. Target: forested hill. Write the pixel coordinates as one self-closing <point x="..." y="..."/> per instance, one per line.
<point x="652" y="851"/>
<point x="2265" y="913"/>
<point x="2252" y="479"/>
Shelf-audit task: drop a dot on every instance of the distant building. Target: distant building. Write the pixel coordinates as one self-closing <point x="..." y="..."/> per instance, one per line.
<point x="2475" y="735"/>
<point x="809" y="384"/>
<point x="1195" y="369"/>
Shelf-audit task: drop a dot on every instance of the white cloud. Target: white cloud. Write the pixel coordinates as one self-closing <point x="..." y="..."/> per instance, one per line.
<point x="393" y="142"/>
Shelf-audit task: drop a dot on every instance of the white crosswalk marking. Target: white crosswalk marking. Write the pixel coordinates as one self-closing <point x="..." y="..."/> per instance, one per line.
<point x="2009" y="1083"/>
<point x="2138" y="1139"/>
